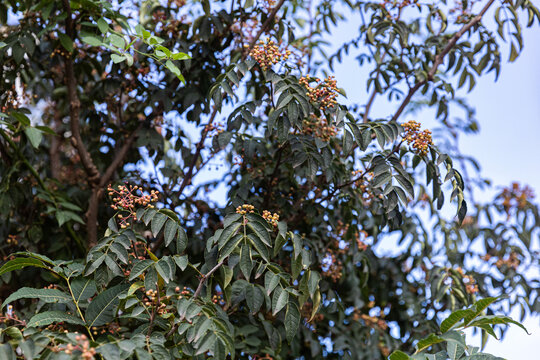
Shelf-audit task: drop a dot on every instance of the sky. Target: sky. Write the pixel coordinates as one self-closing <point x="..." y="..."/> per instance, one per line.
<point x="507" y="147"/>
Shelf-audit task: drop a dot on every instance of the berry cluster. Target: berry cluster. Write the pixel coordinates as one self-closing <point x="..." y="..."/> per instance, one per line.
<point x="393" y="7"/>
<point x="421" y="140"/>
<point x="126" y="199"/>
<point x="331" y="266"/>
<point x="185" y="292"/>
<point x="271" y="218"/>
<point x="470" y="283"/>
<point x="370" y="321"/>
<point x="245" y="209"/>
<point x="12" y="240"/>
<point x="318" y="127"/>
<point x="515" y="197"/>
<point x="83" y="345"/>
<point x="268" y="54"/>
<point x="324" y="92"/>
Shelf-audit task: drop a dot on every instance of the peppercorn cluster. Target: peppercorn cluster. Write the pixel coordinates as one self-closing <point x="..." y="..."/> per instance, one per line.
<point x="83" y="346"/>
<point x="271" y="218"/>
<point x="470" y="283"/>
<point x="245" y="209"/>
<point x="127" y="199"/>
<point x="420" y="140"/>
<point x="515" y="197"/>
<point x="268" y="54"/>
<point x="318" y="127"/>
<point x="323" y="93"/>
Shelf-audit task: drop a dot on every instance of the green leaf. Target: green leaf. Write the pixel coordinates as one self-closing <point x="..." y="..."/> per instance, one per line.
<point x="246" y="262"/>
<point x="271" y="280"/>
<point x="292" y="321"/>
<point x="181" y="240"/>
<point x="181" y="261"/>
<point x="254" y="297"/>
<point x="92" y="40"/>
<point x="50" y="317"/>
<point x="101" y="309"/>
<point x="279" y="300"/>
<point x="427" y="342"/>
<point x="103" y="26"/>
<point x="7" y="353"/>
<point x="227" y="234"/>
<point x="46" y="295"/>
<point x="260" y="231"/>
<point x="20" y="263"/>
<point x="399" y="355"/>
<point x="259" y="246"/>
<point x="117" y="58"/>
<point x="66" y="41"/>
<point x="157" y="223"/>
<point x="139" y="268"/>
<point x="478" y="308"/>
<point x="83" y="289"/>
<point x="313" y="282"/>
<point x="34" y="136"/>
<point x="496" y="320"/>
<point x="170" y="232"/>
<point x="455" y="317"/>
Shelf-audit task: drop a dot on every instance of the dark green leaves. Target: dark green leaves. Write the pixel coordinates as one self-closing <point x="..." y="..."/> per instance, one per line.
<point x="46" y="295"/>
<point x="103" y="307"/>
<point x="51" y="317"/>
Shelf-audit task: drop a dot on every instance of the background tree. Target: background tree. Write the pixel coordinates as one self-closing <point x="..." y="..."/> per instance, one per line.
<point x="94" y="95"/>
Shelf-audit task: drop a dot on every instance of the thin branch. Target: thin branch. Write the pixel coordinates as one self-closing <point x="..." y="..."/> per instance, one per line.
<point x="189" y="175"/>
<point x="119" y="157"/>
<point x="204" y="277"/>
<point x="75" y="106"/>
<point x="266" y="25"/>
<point x="440" y="58"/>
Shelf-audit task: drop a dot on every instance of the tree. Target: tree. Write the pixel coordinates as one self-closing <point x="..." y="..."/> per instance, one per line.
<point x="137" y="260"/>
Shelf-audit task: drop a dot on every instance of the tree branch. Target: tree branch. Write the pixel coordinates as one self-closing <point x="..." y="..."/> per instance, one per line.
<point x="187" y="179"/>
<point x="75" y="106"/>
<point x="440" y="58"/>
<point x="266" y="25"/>
<point x="119" y="158"/>
<point x="204" y="277"/>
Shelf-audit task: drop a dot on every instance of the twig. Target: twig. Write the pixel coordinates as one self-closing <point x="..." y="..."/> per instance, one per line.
<point x="440" y="58"/>
<point x="266" y="25"/>
<point x="200" y="145"/>
<point x="204" y="277"/>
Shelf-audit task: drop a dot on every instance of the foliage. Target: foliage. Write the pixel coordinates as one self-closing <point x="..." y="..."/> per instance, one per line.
<point x="155" y="94"/>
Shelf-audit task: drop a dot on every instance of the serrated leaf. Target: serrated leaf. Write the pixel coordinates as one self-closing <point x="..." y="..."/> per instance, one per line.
<point x="478" y="308"/>
<point x="260" y="231"/>
<point x="427" y="342"/>
<point x="292" y="321"/>
<point x="454" y="318"/>
<point x="279" y="300"/>
<point x="254" y="297"/>
<point x="20" y="263"/>
<point x="51" y="317"/>
<point x="102" y="307"/>
<point x="170" y="231"/>
<point x="399" y="355"/>
<point x="34" y="136"/>
<point x="83" y="289"/>
<point x="139" y="268"/>
<point x="46" y="295"/>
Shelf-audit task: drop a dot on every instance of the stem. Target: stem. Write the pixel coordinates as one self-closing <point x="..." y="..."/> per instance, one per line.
<point x="204" y="277"/>
<point x="267" y="24"/>
<point x="440" y="58"/>
<point x="79" y="309"/>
